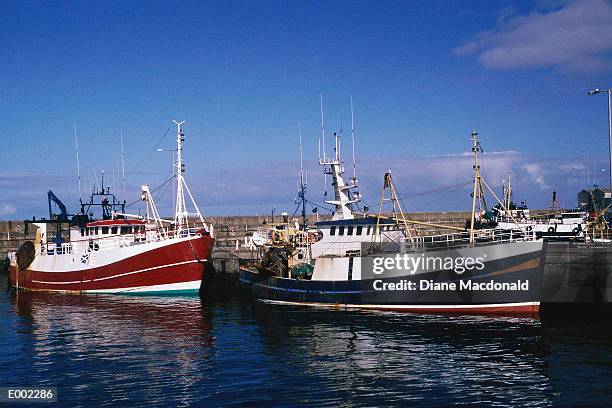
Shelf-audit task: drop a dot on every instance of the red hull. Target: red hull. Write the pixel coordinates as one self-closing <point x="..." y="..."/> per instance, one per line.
<point x="521" y="310"/>
<point x="174" y="263"/>
<point x="531" y="309"/>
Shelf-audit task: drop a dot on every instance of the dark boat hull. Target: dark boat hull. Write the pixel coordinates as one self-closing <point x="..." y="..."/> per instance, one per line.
<point x="417" y="292"/>
<point x="578" y="273"/>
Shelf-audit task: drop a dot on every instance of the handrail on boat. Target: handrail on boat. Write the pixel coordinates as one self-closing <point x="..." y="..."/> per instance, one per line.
<point x="457" y="240"/>
<point x="112" y="242"/>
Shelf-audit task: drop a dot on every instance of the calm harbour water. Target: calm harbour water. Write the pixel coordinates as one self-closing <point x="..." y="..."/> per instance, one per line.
<point x="149" y="351"/>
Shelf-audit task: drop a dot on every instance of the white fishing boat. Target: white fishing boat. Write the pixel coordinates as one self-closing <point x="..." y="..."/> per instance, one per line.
<point x="349" y="250"/>
<point x="556" y="224"/>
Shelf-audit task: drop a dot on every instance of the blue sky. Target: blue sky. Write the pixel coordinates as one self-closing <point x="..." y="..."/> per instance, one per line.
<point x="422" y="75"/>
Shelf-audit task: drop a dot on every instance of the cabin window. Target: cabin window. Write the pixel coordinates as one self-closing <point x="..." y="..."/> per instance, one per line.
<point x="126" y="230"/>
<point x="142" y="229"/>
<point x="369" y="230"/>
<point x="113" y="230"/>
<point x="89" y="231"/>
<point x="359" y="230"/>
<point x="104" y="230"/>
<point x="96" y="231"/>
<point x="341" y="230"/>
<point x="82" y="232"/>
<point x="349" y="230"/>
<point x="332" y="230"/>
<point x="350" y="268"/>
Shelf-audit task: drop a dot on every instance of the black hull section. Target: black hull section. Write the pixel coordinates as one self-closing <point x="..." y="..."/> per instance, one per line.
<point x="577" y="273"/>
<point x="523" y="272"/>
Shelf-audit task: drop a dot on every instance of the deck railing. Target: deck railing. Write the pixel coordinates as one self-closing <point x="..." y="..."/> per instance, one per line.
<point x="115" y="241"/>
<point x="542" y="221"/>
<point x="453" y="240"/>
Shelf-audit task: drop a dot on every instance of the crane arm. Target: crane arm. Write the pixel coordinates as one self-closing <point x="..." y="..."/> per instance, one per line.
<point x="53" y="198"/>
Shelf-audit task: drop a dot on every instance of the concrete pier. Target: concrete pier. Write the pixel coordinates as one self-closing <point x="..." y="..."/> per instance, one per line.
<point x="13" y="234"/>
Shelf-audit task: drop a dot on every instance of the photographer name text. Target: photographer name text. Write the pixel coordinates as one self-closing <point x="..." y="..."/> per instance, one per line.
<point x="430" y="285"/>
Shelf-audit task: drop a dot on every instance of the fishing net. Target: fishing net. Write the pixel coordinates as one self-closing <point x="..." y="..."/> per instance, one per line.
<point x="25" y="255"/>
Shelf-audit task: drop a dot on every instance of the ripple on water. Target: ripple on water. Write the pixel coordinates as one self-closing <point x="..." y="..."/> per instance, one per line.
<point x="112" y="350"/>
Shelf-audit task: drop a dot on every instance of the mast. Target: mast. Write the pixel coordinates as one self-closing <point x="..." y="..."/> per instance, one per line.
<point x="321" y="160"/>
<point x="344" y="198"/>
<point x="504" y="193"/>
<point x="354" y="181"/>
<point x="180" y="212"/>
<point x="122" y="163"/>
<point x="76" y="144"/>
<point x="95" y="180"/>
<point x="322" y="127"/>
<point x="302" y="181"/>
<point x="477" y="193"/>
<point x="555" y="204"/>
<point x="509" y="192"/>
<point x="181" y="221"/>
<point x="353" y="139"/>
<point x="409" y="231"/>
<point x="342" y="201"/>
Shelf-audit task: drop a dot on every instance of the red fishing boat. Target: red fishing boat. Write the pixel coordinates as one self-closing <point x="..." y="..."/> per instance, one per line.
<point x="119" y="253"/>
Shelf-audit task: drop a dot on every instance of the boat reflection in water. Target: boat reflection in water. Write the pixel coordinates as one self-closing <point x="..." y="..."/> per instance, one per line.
<point x="108" y="317"/>
<point x="416" y="359"/>
<point x="108" y="350"/>
<point x="382" y="358"/>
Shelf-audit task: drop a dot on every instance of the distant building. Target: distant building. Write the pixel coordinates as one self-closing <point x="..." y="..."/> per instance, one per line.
<point x="595" y="199"/>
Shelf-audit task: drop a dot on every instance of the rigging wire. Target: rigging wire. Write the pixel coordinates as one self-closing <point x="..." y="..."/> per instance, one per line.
<point x="424" y="193"/>
<point x="147" y="158"/>
<point x="432" y="201"/>
<point x="152" y="191"/>
<point x="438" y="190"/>
<point x="319" y="206"/>
<point x="162" y="194"/>
<point x="296" y="210"/>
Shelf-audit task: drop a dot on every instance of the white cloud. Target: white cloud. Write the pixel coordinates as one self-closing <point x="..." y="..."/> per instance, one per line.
<point x="432" y="183"/>
<point x="535" y="172"/>
<point x="577" y="36"/>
